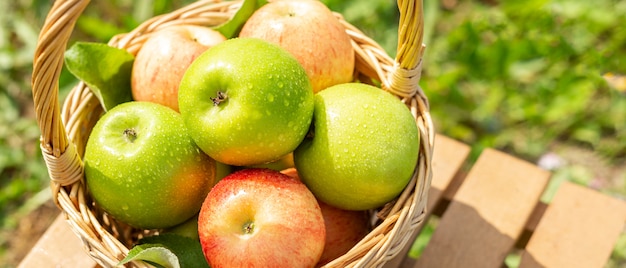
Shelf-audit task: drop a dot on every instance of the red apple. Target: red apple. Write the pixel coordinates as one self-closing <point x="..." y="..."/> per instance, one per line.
<point x="344" y="228"/>
<point x="309" y="31"/>
<point x="163" y="59"/>
<point x="261" y="218"/>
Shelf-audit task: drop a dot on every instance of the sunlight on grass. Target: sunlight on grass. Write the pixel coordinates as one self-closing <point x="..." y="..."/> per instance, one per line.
<point x="524" y="77"/>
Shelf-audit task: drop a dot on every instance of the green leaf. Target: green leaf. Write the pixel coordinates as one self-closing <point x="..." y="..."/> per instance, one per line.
<point x="168" y="250"/>
<point x="232" y="27"/>
<point x="105" y="69"/>
<point x="155" y="254"/>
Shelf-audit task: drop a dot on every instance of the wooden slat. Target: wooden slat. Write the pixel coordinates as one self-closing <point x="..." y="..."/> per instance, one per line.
<point x="578" y="229"/>
<point x="58" y="247"/>
<point x="448" y="158"/>
<point x="531" y="224"/>
<point x="487" y="214"/>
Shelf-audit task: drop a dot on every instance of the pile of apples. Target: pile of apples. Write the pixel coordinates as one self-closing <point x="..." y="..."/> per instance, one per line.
<point x="211" y="114"/>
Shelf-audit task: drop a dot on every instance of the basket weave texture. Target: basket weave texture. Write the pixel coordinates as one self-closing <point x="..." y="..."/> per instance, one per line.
<point x="65" y="127"/>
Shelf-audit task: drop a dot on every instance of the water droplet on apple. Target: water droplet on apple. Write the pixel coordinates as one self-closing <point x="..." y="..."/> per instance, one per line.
<point x="125" y="207"/>
<point x="286" y="103"/>
<point x="270" y="98"/>
<point x="280" y="85"/>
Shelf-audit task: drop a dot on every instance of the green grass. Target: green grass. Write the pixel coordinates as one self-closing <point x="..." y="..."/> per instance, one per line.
<point x="524" y="77"/>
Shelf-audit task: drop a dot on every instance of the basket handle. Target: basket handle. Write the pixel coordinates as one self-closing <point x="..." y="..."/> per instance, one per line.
<point x="64" y="163"/>
<point x="404" y="79"/>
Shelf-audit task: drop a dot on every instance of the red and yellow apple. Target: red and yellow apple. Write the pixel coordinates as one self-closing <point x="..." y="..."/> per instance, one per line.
<point x="261" y="218"/>
<point x="344" y="228"/>
<point x="163" y="59"/>
<point x="309" y="31"/>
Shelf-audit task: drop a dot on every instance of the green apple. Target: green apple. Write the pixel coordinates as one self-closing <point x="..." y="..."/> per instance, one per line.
<point x="246" y="102"/>
<point x="143" y="169"/>
<point x="188" y="228"/>
<point x="222" y="170"/>
<point x="363" y="148"/>
<point x="282" y="163"/>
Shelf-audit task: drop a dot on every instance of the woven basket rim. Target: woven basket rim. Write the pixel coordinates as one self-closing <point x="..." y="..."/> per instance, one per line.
<point x="65" y="129"/>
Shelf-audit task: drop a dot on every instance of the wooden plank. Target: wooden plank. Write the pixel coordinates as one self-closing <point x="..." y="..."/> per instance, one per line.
<point x="531" y="224"/>
<point x="578" y="229"/>
<point x="487" y="214"/>
<point x="448" y="158"/>
<point x="58" y="247"/>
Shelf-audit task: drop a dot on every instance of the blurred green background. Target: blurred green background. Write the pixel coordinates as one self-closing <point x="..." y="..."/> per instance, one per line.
<point x="539" y="79"/>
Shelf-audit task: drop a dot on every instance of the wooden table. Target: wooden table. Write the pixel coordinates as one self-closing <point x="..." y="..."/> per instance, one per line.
<point x="483" y="214"/>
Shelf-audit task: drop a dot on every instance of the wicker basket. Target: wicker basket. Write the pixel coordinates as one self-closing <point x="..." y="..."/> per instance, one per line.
<point x="65" y="129"/>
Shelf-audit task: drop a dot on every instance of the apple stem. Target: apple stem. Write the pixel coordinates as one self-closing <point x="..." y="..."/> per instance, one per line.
<point x="221" y="96"/>
<point x="248" y="228"/>
<point x="130" y="134"/>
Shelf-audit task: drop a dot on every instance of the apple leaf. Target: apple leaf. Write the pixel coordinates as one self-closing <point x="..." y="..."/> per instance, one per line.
<point x="105" y="69"/>
<point x="168" y="250"/>
<point x="232" y="27"/>
<point x="154" y="254"/>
